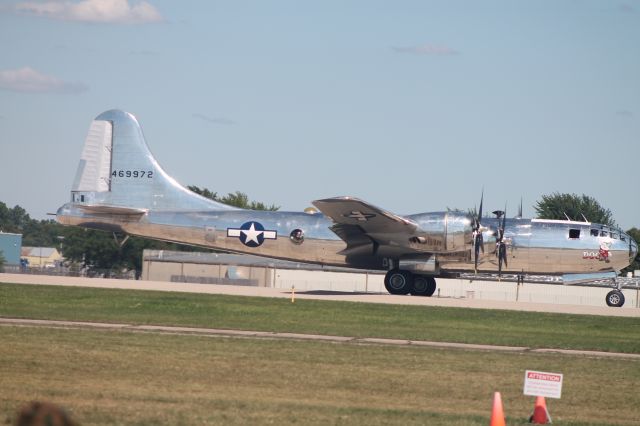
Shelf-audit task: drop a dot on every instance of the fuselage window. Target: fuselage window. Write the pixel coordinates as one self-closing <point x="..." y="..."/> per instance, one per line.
<point x="604" y="234"/>
<point x="574" y="234"/>
<point x="614" y="235"/>
<point x="622" y="237"/>
<point x="297" y="236"/>
<point x="594" y="232"/>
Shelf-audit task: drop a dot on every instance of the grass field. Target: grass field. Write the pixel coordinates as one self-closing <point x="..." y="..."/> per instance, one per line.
<point x="109" y="377"/>
<point x="541" y="330"/>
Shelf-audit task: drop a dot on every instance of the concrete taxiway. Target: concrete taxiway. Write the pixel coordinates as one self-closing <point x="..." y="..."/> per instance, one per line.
<point x="316" y="295"/>
<point x="213" y="332"/>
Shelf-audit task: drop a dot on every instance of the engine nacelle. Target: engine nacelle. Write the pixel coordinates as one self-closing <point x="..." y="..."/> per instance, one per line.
<point x="444" y="232"/>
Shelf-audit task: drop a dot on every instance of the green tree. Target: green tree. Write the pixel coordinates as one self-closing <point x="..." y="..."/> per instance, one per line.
<point x="557" y="205"/>
<point x="35" y="233"/>
<point x="13" y="219"/>
<point x="236" y="199"/>
<point x="2" y="261"/>
<point x="204" y="192"/>
<point x="99" y="252"/>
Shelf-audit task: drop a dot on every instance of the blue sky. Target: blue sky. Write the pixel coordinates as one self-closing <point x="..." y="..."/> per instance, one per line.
<point x="411" y="105"/>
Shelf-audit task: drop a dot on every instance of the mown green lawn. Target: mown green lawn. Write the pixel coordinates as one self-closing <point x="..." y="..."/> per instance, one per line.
<point x="121" y="377"/>
<point x="539" y="330"/>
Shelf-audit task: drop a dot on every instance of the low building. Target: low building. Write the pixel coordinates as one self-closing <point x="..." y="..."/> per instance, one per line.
<point x="42" y="257"/>
<point x="235" y="269"/>
<point x="10" y="246"/>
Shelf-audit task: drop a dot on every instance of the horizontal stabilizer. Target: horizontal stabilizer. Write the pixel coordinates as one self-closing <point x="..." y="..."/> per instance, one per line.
<point x="112" y="210"/>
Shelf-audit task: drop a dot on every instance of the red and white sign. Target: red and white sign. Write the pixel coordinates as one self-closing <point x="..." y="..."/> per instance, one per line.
<point x="540" y="383"/>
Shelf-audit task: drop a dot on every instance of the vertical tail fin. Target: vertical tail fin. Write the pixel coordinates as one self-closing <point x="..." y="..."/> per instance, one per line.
<point x="116" y="168"/>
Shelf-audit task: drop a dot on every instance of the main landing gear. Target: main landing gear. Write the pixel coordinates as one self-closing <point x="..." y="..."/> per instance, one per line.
<point x="399" y="281"/>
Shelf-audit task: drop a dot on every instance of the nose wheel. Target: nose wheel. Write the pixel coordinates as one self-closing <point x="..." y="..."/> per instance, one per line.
<point x="615" y="298"/>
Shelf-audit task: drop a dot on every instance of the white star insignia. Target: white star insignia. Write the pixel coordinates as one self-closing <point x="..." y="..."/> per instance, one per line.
<point x="252" y="234"/>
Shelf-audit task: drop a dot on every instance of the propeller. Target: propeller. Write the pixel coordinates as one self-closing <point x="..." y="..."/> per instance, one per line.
<point x="478" y="243"/>
<point x="501" y="245"/>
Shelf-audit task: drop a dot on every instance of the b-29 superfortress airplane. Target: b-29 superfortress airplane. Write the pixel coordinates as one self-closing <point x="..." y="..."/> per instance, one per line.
<point x="121" y="188"/>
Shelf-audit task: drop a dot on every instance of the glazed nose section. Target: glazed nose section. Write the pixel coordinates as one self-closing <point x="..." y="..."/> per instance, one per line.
<point x="633" y="249"/>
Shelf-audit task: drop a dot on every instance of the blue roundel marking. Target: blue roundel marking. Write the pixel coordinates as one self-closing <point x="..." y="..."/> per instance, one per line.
<point x="252" y="234"/>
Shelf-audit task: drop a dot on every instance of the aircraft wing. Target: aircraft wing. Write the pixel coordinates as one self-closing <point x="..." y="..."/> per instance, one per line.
<point x="365" y="227"/>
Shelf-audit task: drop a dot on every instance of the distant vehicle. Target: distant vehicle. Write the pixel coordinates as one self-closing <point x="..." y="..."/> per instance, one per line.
<point x="120" y="187"/>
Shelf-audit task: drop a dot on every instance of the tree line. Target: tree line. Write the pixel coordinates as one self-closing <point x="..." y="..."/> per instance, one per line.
<point x="99" y="251"/>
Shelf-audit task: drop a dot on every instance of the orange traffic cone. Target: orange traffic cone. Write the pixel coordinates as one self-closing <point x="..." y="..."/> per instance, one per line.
<point x="540" y="414"/>
<point x="497" y="414"/>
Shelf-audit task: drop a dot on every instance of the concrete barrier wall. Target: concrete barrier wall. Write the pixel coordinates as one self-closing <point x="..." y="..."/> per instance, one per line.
<point x="304" y="280"/>
<point x="455" y="288"/>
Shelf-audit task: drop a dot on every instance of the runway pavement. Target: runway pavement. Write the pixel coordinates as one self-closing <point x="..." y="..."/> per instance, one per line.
<point x="317" y="295"/>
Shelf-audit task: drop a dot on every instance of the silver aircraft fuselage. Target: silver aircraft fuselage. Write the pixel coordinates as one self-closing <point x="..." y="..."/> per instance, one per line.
<point x="533" y="246"/>
<point x="120" y="187"/>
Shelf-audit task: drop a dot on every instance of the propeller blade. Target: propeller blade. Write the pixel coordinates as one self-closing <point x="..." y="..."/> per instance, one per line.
<point x="502" y="257"/>
<point x="501" y="246"/>
<point x="478" y="245"/>
<point x="477" y="234"/>
<point x="504" y="219"/>
<point x="476" y="252"/>
<point x="480" y="210"/>
<point x="504" y="254"/>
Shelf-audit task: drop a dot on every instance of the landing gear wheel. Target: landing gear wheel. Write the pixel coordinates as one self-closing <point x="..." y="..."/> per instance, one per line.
<point x="432" y="286"/>
<point x="420" y="285"/>
<point x="615" y="298"/>
<point x="398" y="281"/>
<point x="423" y="285"/>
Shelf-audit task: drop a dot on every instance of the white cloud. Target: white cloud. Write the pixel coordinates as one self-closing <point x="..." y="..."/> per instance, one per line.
<point x="427" y="49"/>
<point x="627" y="8"/>
<point x="96" y="11"/>
<point x="28" y="80"/>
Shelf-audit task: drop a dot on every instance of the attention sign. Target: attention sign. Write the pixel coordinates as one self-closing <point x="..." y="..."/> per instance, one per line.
<point x="540" y="383"/>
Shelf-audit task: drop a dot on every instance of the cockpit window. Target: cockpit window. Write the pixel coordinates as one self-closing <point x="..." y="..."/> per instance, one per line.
<point x="594" y="232"/>
<point x="574" y="233"/>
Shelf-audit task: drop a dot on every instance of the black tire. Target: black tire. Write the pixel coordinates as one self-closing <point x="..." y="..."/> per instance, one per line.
<point x="432" y="286"/>
<point x="423" y="285"/>
<point x="420" y="285"/>
<point x="615" y="298"/>
<point x="398" y="281"/>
